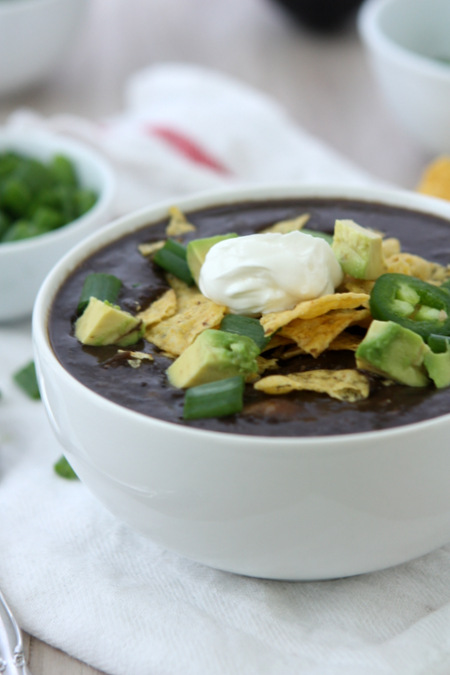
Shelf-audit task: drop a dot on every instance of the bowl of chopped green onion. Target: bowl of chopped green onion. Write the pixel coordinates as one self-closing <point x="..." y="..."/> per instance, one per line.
<point x="53" y="192"/>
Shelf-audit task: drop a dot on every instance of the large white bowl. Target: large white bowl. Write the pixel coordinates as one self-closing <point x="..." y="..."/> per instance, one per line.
<point x="282" y="508"/>
<point x="24" y="264"/>
<point x="34" y="37"/>
<point x="405" y="40"/>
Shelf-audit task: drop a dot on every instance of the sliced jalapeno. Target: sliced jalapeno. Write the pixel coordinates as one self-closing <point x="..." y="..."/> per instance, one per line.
<point x="412" y="303"/>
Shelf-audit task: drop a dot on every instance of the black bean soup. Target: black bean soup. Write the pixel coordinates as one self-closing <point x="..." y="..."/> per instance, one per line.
<point x="146" y="389"/>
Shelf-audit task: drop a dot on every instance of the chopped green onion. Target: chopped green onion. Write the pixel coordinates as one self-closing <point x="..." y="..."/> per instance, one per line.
<point x="438" y="343"/>
<point x="214" y="399"/>
<point x="101" y="286"/>
<point x="63" y="469"/>
<point x="321" y="235"/>
<point x="172" y="258"/>
<point x="245" y="325"/>
<point x="26" y="379"/>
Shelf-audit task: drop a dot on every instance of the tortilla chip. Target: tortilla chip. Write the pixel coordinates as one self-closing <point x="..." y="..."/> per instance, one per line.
<point x="134" y="359"/>
<point x="178" y="223"/>
<point x="412" y="265"/>
<point x="159" y="310"/>
<point x="285" y="226"/>
<point x="315" y="335"/>
<point x="310" y="309"/>
<point x="435" y="180"/>
<point x="345" y="342"/>
<point x="195" y="313"/>
<point x="147" y="249"/>
<point x="390" y="246"/>
<point x="352" y="285"/>
<point x="344" y="385"/>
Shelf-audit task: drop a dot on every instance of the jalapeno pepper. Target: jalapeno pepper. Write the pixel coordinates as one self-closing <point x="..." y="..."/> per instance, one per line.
<point x="412" y="303"/>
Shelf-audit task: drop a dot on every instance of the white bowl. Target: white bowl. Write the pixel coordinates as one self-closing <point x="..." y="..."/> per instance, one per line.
<point x="281" y="508"/>
<point x="34" y="36"/>
<point x="405" y="40"/>
<point x="24" y="264"/>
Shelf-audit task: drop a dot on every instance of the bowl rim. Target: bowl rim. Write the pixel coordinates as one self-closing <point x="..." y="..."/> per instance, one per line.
<point x="78" y="152"/>
<point x="369" y="28"/>
<point x="155" y="212"/>
<point x="19" y="6"/>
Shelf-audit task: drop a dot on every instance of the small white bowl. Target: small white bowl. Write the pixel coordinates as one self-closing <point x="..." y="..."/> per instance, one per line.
<point x="407" y="42"/>
<point x="274" y="507"/>
<point x="24" y="264"/>
<point x="34" y="36"/>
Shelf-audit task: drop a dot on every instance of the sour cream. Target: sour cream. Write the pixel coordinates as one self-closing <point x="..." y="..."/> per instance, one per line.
<point x="269" y="272"/>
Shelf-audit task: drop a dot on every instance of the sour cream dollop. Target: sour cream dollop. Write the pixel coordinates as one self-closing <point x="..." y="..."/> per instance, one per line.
<point x="269" y="272"/>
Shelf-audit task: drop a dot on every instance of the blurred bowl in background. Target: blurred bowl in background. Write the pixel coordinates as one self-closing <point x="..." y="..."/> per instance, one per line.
<point x="34" y="35"/>
<point x="408" y="42"/>
<point x="25" y="263"/>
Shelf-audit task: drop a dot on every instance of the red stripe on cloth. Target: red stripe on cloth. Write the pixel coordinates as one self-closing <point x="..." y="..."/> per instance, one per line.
<point x="188" y="148"/>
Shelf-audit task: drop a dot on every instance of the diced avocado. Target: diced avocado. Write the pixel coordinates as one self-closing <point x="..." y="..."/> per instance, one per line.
<point x="438" y="367"/>
<point x="197" y="250"/>
<point x="358" y="250"/>
<point x="105" y="324"/>
<point x="214" y="355"/>
<point x="395" y="352"/>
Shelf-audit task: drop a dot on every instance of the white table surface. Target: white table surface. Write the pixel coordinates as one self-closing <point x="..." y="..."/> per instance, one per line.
<point x="324" y="82"/>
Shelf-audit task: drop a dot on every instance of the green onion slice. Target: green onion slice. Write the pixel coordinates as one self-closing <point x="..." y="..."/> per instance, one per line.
<point x="439" y="343"/>
<point x="245" y="325"/>
<point x="321" y="235"/>
<point x="63" y="469"/>
<point x="101" y="286"/>
<point x="172" y="258"/>
<point x="26" y="379"/>
<point x="214" y="399"/>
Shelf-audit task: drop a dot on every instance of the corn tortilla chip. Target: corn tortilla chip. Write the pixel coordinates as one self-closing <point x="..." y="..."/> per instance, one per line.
<point x="147" y="249"/>
<point x="315" y="335"/>
<point x="344" y="385"/>
<point x="159" y="310"/>
<point x="178" y="223"/>
<point x="195" y="313"/>
<point x="310" y="309"/>
<point x="285" y="226"/>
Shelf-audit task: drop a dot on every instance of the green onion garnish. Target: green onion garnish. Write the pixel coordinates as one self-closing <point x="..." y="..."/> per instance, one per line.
<point x="172" y="258"/>
<point x="100" y="286"/>
<point x="438" y="343"/>
<point x="26" y="379"/>
<point x="63" y="469"/>
<point x="321" y="235"/>
<point x="245" y="325"/>
<point x="214" y="399"/>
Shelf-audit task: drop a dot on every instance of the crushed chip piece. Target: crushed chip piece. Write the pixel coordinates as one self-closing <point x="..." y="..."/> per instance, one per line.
<point x="285" y="226"/>
<point x="147" y="249"/>
<point x="390" y="246"/>
<point x="345" y="342"/>
<point x="134" y="359"/>
<point x="344" y="385"/>
<point x="159" y="310"/>
<point x="310" y="309"/>
<point x="352" y="285"/>
<point x="315" y="335"/>
<point x="194" y="314"/>
<point x="178" y="223"/>
<point x="412" y="265"/>
<point x="435" y="180"/>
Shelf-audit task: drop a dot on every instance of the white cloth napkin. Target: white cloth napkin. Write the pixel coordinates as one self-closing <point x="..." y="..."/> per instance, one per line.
<point x="85" y="583"/>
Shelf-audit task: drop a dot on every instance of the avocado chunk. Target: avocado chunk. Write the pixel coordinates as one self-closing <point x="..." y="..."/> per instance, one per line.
<point x="395" y="352"/>
<point x="103" y="323"/>
<point x="214" y="355"/>
<point x="197" y="250"/>
<point x="359" y="250"/>
<point x="438" y="367"/>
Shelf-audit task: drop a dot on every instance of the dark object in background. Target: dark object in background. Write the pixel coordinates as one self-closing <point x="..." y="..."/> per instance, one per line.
<point x="321" y="15"/>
